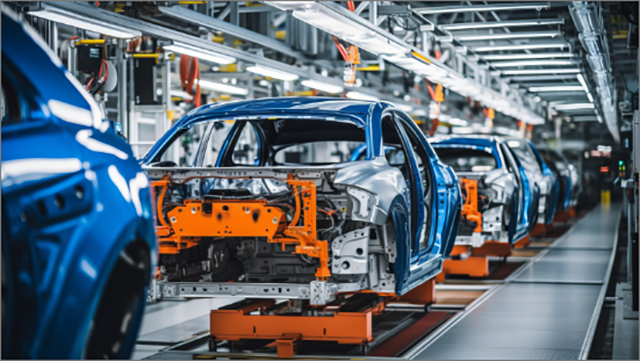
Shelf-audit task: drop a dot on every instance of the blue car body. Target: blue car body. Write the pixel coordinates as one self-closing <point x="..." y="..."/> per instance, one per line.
<point x="517" y="192"/>
<point x="413" y="265"/>
<point x="552" y="204"/>
<point x="75" y="202"/>
<point x="560" y="167"/>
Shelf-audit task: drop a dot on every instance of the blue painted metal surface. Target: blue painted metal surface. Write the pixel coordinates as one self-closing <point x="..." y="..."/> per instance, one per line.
<point x="413" y="265"/>
<point x="555" y="190"/>
<point x="73" y="198"/>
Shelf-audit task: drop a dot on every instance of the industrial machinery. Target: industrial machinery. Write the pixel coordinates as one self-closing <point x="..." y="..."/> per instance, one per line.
<point x="500" y="200"/>
<point x="78" y="243"/>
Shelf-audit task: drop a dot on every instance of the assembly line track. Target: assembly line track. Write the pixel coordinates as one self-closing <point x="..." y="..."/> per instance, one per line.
<point x="579" y="233"/>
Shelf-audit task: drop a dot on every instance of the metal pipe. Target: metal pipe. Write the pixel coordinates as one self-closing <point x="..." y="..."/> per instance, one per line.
<point x="373" y="12"/>
<point x="121" y="67"/>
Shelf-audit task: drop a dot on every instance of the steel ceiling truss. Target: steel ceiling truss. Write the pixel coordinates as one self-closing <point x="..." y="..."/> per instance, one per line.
<point x="369" y="36"/>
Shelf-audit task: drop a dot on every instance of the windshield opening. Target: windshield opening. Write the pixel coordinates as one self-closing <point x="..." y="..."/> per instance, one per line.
<point x="467" y="160"/>
<point x="262" y="142"/>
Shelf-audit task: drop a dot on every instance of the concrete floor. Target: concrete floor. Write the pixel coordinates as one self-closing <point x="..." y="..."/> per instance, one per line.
<point x="172" y="321"/>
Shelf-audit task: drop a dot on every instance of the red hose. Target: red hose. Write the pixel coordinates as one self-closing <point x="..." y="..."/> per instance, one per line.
<point x="189" y="72"/>
<point x="107" y="67"/>
<point x="351" y="6"/>
<point x="341" y="48"/>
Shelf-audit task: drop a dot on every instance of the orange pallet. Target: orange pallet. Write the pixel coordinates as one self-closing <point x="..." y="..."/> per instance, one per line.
<point x="354" y="327"/>
<point x="523" y="242"/>
<point x="493" y="248"/>
<point x="234" y="325"/>
<point x="561" y="216"/>
<point x="541" y="229"/>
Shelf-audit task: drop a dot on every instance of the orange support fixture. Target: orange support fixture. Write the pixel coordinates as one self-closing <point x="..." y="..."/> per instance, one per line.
<point x="493" y="248"/>
<point x="539" y="230"/>
<point x="473" y="266"/>
<point x="243" y="218"/>
<point x="523" y="242"/>
<point x="470" y="206"/>
<point x="423" y="294"/>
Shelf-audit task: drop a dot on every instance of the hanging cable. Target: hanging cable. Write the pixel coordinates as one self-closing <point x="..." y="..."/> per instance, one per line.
<point x="351" y="6"/>
<point x="189" y="73"/>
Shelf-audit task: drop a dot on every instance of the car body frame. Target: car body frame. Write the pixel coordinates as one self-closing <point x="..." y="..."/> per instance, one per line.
<point x="409" y="217"/>
<point x="504" y="190"/>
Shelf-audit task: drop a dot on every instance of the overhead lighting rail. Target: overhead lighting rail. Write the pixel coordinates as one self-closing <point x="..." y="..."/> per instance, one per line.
<point x="506" y="36"/>
<point x="482" y="8"/>
<point x="534" y="46"/>
<point x="81" y="22"/>
<point x="186" y="49"/>
<point x="502" y="24"/>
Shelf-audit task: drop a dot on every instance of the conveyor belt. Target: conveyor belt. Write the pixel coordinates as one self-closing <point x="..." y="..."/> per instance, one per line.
<point x="547" y="310"/>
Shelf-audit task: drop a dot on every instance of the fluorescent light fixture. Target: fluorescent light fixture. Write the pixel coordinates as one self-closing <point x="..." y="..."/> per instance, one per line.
<point x="457" y="122"/>
<point x="509" y="64"/>
<point x="561" y="88"/>
<point x="223" y="88"/>
<point x="200" y="53"/>
<point x="462" y="130"/>
<point x="361" y="96"/>
<point x="574" y="106"/>
<point x="406" y="108"/>
<point x="474" y="8"/>
<point x="83" y="22"/>
<point x="327" y="88"/>
<point x="320" y="16"/>
<point x="527" y="56"/>
<point x="520" y="47"/>
<point x="521" y="35"/>
<point x="502" y="24"/>
<point x="272" y="73"/>
<point x="176" y="93"/>
<point x="539" y="71"/>
<point x="590" y="97"/>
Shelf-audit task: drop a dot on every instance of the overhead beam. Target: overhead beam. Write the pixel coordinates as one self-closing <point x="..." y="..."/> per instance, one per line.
<point x="475" y="8"/>
<point x="500" y="24"/>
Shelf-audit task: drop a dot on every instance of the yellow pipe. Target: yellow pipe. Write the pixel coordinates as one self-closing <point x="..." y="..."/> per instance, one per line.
<point x="308" y="93"/>
<point x="191" y="2"/>
<point x="217" y="39"/>
<point x="90" y="41"/>
<point x="155" y="55"/>
<point x="419" y="56"/>
<point x="230" y="68"/>
<point x="281" y="34"/>
<point x="369" y="68"/>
